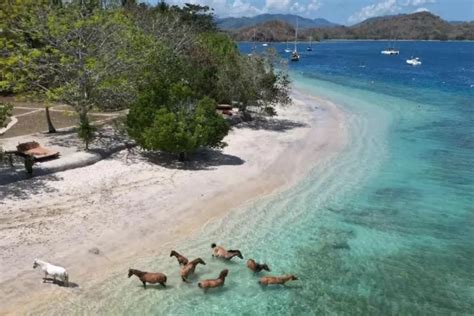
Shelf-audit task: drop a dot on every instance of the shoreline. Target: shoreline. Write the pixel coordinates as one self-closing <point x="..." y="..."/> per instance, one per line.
<point x="146" y="214"/>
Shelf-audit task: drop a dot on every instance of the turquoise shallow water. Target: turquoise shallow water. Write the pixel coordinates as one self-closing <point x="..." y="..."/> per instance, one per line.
<point x="385" y="228"/>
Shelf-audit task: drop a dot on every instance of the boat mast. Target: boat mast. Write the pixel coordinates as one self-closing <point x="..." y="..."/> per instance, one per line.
<point x="296" y="34"/>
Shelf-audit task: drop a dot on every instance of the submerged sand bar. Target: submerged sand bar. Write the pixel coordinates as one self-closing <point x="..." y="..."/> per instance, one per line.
<point x="128" y="204"/>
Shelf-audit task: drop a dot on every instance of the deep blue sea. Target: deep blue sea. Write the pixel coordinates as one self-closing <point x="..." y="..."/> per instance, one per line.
<point x="386" y="228"/>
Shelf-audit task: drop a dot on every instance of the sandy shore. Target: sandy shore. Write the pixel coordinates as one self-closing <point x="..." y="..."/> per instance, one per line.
<point x="129" y="204"/>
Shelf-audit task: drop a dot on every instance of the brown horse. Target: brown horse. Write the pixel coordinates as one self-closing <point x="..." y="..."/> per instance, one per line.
<point x="256" y="267"/>
<point x="148" y="277"/>
<point x="220" y="252"/>
<point x="182" y="260"/>
<point x="213" y="283"/>
<point x="189" y="268"/>
<point x="266" y="280"/>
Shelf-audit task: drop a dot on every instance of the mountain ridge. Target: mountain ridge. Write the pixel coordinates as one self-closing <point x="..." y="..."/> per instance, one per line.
<point x="415" y="26"/>
<point x="235" y="23"/>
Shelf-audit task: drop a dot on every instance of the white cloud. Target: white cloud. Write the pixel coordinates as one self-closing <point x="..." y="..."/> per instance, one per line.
<point x="314" y="5"/>
<point x="303" y="7"/>
<point x="278" y="5"/>
<point x="225" y="8"/>
<point x="240" y="8"/>
<point x="377" y="9"/>
<point x="415" y="3"/>
<point x="421" y="10"/>
<point x="297" y="8"/>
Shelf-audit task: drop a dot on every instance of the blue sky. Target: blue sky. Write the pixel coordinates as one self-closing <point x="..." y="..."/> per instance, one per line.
<point x="340" y="11"/>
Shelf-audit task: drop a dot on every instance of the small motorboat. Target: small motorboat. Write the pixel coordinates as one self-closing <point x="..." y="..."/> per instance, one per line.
<point x="265" y="44"/>
<point x="287" y="50"/>
<point x="414" y="61"/>
<point x="295" y="56"/>
<point x="390" y="51"/>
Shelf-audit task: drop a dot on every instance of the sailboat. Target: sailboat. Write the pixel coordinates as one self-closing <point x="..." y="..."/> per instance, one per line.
<point x="390" y="51"/>
<point x="294" y="55"/>
<point x="310" y="47"/>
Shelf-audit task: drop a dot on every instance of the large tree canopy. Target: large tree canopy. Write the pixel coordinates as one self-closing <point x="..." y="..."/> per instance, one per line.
<point x="168" y="64"/>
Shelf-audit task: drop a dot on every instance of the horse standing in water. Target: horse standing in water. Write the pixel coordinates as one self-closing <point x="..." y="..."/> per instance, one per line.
<point x="220" y="252"/>
<point x="52" y="270"/>
<point x="148" y="277"/>
<point x="256" y="267"/>
<point x="213" y="283"/>
<point x="189" y="268"/>
<point x="268" y="280"/>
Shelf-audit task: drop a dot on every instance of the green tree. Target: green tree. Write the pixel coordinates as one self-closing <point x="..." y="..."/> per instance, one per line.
<point x="79" y="54"/>
<point x="5" y="112"/>
<point x="182" y="129"/>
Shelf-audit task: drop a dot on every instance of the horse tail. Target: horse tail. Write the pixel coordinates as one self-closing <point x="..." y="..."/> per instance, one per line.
<point x="265" y="267"/>
<point x="200" y="285"/>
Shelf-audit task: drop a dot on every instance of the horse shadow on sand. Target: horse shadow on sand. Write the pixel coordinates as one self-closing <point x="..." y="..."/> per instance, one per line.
<point x="60" y="283"/>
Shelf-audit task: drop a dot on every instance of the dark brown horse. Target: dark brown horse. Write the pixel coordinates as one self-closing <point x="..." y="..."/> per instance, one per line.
<point x="189" y="268"/>
<point x="148" y="277"/>
<point x="182" y="260"/>
<point x="213" y="283"/>
<point x="256" y="267"/>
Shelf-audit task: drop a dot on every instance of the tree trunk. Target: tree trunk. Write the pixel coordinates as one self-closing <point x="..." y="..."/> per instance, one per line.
<point x="51" y="128"/>
<point x="183" y="156"/>
<point x="29" y="161"/>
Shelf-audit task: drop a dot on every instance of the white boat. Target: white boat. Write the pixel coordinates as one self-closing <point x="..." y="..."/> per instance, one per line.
<point x="390" y="51"/>
<point x="294" y="55"/>
<point x="264" y="44"/>
<point x="414" y="61"/>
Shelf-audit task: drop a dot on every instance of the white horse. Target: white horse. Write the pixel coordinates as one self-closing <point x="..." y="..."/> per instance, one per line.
<point x="52" y="270"/>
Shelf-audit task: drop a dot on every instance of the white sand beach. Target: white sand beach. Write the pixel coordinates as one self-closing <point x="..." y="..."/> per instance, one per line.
<point x="130" y="204"/>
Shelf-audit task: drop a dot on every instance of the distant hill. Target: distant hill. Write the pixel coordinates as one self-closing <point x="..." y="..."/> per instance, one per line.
<point x="416" y="26"/>
<point x="243" y="22"/>
<point x="271" y="31"/>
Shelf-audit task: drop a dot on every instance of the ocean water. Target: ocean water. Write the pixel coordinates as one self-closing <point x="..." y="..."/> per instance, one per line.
<point x="384" y="228"/>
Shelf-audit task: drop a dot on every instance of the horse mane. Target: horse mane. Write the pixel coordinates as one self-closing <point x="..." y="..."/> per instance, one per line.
<point x="137" y="272"/>
<point x="174" y="253"/>
<point x="223" y="274"/>
<point x="236" y="252"/>
<point x="197" y="260"/>
<point x="41" y="262"/>
<point x="265" y="267"/>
